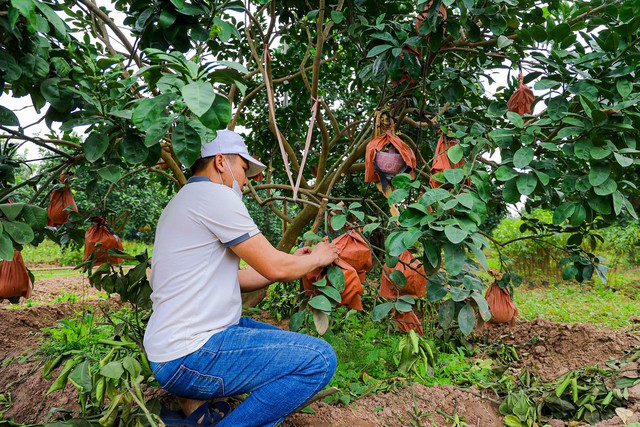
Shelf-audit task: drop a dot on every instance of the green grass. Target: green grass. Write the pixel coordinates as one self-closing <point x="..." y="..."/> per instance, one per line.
<point x="48" y="252"/>
<point x="50" y="274"/>
<point x="567" y="302"/>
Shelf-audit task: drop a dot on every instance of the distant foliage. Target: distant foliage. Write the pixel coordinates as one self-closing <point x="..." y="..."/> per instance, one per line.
<point x="535" y="259"/>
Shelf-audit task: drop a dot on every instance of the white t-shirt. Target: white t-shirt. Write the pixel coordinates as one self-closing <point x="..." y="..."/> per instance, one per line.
<point x="194" y="274"/>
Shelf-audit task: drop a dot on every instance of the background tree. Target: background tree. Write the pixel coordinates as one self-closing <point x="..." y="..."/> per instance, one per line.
<point x="147" y="92"/>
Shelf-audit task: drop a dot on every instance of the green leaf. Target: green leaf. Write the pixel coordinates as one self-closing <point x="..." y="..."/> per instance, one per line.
<point x="455" y="153"/>
<point x="398" y="278"/>
<point x="338" y="221"/>
<point x="618" y="202"/>
<point x="198" y="96"/>
<point x="516" y="119"/>
<point x="402" y="306"/>
<point x="398" y="195"/>
<point x="624" y="87"/>
<point x="431" y="253"/>
<point x="522" y="157"/>
<point x="370" y="227"/>
<point x="526" y="184"/>
<point x="505" y="173"/>
<point x="35" y="216"/>
<point x="335" y="275"/>
<point x="377" y="50"/>
<point x="447" y="313"/>
<point x="6" y="247"/>
<point x="112" y="370"/>
<point x="504" y="42"/>
<point x="622" y="160"/>
<point x="546" y="84"/>
<point x="297" y="320"/>
<point x="111" y="173"/>
<point x="598" y="174"/>
<point x="394" y="243"/>
<point x="435" y="291"/>
<point x="466" y="200"/>
<point x="600" y="205"/>
<point x="466" y="319"/>
<point x="320" y="302"/>
<point x="455" y="234"/>
<point x="483" y="306"/>
<point x="331" y="293"/>
<point x="557" y="107"/>
<point x="11" y="210"/>
<point x="510" y="192"/>
<point x="380" y="311"/>
<point x="563" y="212"/>
<point x="512" y="421"/>
<point x="453" y="258"/>
<point x="156" y="132"/>
<point x="606" y="188"/>
<point x="95" y="146"/>
<point x="218" y="116"/>
<point x="53" y="18"/>
<point x="132" y="148"/>
<point x="148" y="111"/>
<point x="569" y="272"/>
<point x="336" y="16"/>
<point x="459" y="294"/>
<point x="579" y="215"/>
<point x="81" y="378"/>
<point x="19" y="231"/>
<point x="8" y="117"/>
<point x="411" y="236"/>
<point x="186" y="144"/>
<point x="454" y="176"/>
<point x="599" y="153"/>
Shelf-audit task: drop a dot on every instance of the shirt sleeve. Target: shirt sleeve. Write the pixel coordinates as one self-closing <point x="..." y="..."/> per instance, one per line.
<point x="229" y="219"/>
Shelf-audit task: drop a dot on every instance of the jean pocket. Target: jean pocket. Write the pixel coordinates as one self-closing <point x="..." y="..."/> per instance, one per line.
<point x="192" y="384"/>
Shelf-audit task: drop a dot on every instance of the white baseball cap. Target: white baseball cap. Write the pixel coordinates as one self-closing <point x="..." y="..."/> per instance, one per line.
<point x="229" y="142"/>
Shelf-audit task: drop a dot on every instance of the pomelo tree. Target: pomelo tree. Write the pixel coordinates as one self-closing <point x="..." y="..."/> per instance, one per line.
<point x="136" y="86"/>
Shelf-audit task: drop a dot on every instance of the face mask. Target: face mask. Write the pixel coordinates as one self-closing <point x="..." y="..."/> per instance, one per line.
<point x="235" y="186"/>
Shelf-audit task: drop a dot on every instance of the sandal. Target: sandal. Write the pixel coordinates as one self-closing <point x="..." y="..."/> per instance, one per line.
<point x="211" y="413"/>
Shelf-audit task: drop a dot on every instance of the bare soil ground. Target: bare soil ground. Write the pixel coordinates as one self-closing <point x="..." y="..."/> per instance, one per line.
<point x="549" y="348"/>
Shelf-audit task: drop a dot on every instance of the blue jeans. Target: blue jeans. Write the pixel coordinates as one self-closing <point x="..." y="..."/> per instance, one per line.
<point x="282" y="371"/>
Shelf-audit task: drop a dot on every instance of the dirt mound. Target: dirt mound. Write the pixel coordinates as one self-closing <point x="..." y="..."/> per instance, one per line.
<point x="413" y="405"/>
<point x="552" y="349"/>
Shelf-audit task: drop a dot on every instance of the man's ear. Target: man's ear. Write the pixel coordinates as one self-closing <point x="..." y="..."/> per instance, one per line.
<point x="219" y="162"/>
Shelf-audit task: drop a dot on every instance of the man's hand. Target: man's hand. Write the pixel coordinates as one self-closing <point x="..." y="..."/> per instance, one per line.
<point x="326" y="253"/>
<point x="305" y="250"/>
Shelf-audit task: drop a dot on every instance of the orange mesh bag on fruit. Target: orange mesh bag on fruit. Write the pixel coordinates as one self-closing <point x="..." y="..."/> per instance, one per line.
<point x="405" y="74"/>
<point x="355" y="251"/>
<point x="59" y="200"/>
<point x="441" y="160"/>
<point x="414" y="273"/>
<point x="101" y="233"/>
<point x="501" y="306"/>
<point x="353" y="287"/>
<point x="442" y="13"/>
<point x="382" y="144"/>
<point x="407" y="320"/>
<point x="14" y="279"/>
<point x="521" y="100"/>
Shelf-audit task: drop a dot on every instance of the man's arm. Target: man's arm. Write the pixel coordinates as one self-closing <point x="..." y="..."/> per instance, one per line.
<point x="250" y="280"/>
<point x="277" y="266"/>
